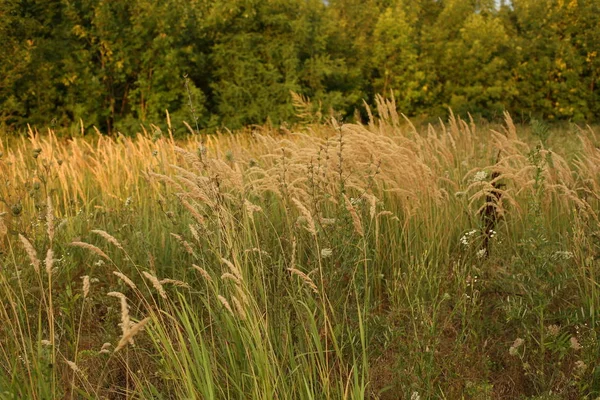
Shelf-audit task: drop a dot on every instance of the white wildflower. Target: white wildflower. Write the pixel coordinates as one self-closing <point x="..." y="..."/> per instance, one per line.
<point x="515" y="346"/>
<point x="575" y="343"/>
<point x="326" y="253"/>
<point x="465" y="238"/>
<point x="553" y="330"/>
<point x="355" y="201"/>
<point x="480" y="176"/>
<point x="481" y="253"/>
<point x="562" y="255"/>
<point x="580" y="366"/>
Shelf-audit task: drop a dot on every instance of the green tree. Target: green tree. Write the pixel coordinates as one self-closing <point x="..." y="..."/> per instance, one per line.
<point x="264" y="50"/>
<point x="132" y="56"/>
<point x="255" y="63"/>
<point x="557" y="67"/>
<point x="483" y="83"/>
<point x="31" y="90"/>
<point x="395" y="59"/>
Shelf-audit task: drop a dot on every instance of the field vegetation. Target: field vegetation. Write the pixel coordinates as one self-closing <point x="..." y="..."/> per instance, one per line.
<point x="332" y="261"/>
<point x="114" y="65"/>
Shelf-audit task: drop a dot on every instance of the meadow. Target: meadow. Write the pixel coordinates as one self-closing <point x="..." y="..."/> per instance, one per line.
<point x="331" y="261"/>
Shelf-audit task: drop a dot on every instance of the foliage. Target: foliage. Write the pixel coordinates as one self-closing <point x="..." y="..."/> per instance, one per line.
<point x="115" y="65"/>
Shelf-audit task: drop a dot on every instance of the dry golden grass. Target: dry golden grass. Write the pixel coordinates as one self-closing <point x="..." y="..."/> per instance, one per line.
<point x="156" y="283"/>
<point x="392" y="187"/>
<point x="386" y="156"/>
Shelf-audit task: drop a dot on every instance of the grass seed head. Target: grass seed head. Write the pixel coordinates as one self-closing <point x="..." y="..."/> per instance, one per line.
<point x="355" y="217"/>
<point x="125" y="320"/>
<point x="108" y="237"/>
<point x="202" y="272"/>
<point x="73" y="366"/>
<point x="234" y="270"/>
<point x="35" y="261"/>
<point x="125" y="279"/>
<point x="128" y="336"/>
<point x="310" y="222"/>
<point x="225" y="304"/>
<point x="239" y="308"/>
<point x="175" y="282"/>
<point x="232" y="277"/>
<point x="156" y="283"/>
<point x="49" y="261"/>
<point x="86" y="285"/>
<point x="50" y="219"/>
<point x="90" y="247"/>
<point x="309" y="282"/>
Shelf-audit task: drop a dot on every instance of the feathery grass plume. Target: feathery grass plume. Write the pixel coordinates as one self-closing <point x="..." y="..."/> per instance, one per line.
<point x="372" y="204"/>
<point x="239" y="308"/>
<point x="240" y="292"/>
<point x="195" y="192"/>
<point x="251" y="209"/>
<point x="175" y="282"/>
<point x="195" y="234"/>
<point x="35" y="261"/>
<point x="3" y="227"/>
<point x="355" y="217"/>
<point x="232" y="277"/>
<point x="225" y="303"/>
<point x="309" y="282"/>
<point x="108" y="237"/>
<point x="104" y="348"/>
<point x="50" y="219"/>
<point x="197" y="216"/>
<point x="202" y="272"/>
<point x="90" y="247"/>
<point x="73" y="366"/>
<point x="49" y="261"/>
<point x="189" y="157"/>
<point x="234" y="270"/>
<point x="125" y="320"/>
<point x="293" y="257"/>
<point x="384" y="213"/>
<point x="128" y="336"/>
<point x="86" y="285"/>
<point x="198" y="181"/>
<point x="156" y="283"/>
<point x="125" y="279"/>
<point x="256" y="250"/>
<point x="164" y="178"/>
<point x="186" y="245"/>
<point x="310" y="222"/>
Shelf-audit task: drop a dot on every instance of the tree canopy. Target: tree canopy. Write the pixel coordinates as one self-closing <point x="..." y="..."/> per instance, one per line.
<point x="115" y="64"/>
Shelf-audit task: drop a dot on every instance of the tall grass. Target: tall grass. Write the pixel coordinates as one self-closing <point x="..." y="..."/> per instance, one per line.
<point x="339" y="261"/>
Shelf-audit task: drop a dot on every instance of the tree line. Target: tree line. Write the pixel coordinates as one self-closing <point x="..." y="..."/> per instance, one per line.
<point x="117" y="63"/>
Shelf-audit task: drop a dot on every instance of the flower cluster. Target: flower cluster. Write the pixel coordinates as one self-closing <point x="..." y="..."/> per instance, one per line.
<point x="513" y="351"/>
<point x="480" y="176"/>
<point x="465" y="239"/>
